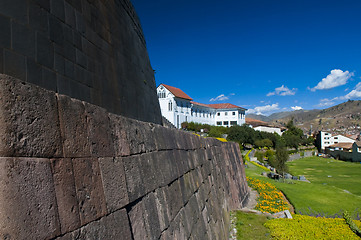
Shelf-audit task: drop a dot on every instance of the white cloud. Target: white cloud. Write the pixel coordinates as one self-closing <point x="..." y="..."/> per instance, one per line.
<point x="264" y="109"/>
<point x="295" y="108"/>
<point x="326" y="102"/>
<point x="221" y="97"/>
<point x="283" y="91"/>
<point x="336" y="78"/>
<point x="354" y="94"/>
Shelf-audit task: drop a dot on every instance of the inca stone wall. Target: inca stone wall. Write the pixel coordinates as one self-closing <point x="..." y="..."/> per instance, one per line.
<point x="72" y="170"/>
<point x="82" y="154"/>
<point x="91" y="50"/>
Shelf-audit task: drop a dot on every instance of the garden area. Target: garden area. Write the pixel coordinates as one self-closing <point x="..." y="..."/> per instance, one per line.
<point x="319" y="204"/>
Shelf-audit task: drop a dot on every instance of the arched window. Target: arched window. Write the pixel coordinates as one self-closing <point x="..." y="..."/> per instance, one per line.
<point x="170" y="106"/>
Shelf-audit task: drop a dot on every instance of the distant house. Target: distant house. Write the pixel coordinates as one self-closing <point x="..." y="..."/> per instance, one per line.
<point x="177" y="107"/>
<point x="345" y="151"/>
<point x="262" y="126"/>
<point x="269" y="129"/>
<point x="345" y="147"/>
<point x="326" y="139"/>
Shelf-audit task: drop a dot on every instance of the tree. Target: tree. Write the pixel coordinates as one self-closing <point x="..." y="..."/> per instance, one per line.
<point x="281" y="159"/>
<point x="293" y="136"/>
<point x="241" y="134"/>
<point x="215" y="132"/>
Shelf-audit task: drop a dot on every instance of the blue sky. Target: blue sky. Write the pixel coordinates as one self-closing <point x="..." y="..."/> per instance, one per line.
<point x="266" y="56"/>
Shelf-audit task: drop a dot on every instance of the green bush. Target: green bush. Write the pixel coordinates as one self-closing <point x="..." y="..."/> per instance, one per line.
<point x="259" y="155"/>
<point x="351" y="224"/>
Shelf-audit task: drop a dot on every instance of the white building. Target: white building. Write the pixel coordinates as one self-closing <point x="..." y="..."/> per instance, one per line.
<point x="268" y="129"/>
<point x="327" y="139"/>
<point x="177" y="107"/>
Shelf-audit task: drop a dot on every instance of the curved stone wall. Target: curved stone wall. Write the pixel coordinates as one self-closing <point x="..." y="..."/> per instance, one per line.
<point x="90" y="50"/>
<point x="72" y="170"/>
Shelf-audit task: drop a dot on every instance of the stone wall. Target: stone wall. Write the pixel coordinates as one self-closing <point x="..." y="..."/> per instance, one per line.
<point x="296" y="156"/>
<point x="72" y="170"/>
<point x="90" y="50"/>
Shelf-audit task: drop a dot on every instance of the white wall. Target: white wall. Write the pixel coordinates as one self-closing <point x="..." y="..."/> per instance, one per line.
<point x="181" y="111"/>
<point x="327" y="139"/>
<point x="268" y="129"/>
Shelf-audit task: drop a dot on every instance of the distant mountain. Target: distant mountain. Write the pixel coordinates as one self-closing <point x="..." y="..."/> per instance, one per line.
<point x="344" y="118"/>
<point x="259" y="117"/>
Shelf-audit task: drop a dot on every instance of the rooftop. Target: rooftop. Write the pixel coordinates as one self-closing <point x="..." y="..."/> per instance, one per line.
<point x="255" y="122"/>
<point x="177" y="92"/>
<point x="180" y="94"/>
<point x="200" y="104"/>
<point x="342" y="145"/>
<point x="224" y="106"/>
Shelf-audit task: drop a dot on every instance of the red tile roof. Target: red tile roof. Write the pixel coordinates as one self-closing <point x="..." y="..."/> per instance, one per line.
<point x="200" y="104"/>
<point x="255" y="122"/>
<point x="177" y="92"/>
<point x="223" y="105"/>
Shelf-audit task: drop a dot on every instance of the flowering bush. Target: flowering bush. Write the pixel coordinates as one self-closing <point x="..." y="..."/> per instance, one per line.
<point x="260" y="166"/>
<point x="306" y="227"/>
<point x="270" y="199"/>
<point x="246" y="157"/>
<point x="222" y="139"/>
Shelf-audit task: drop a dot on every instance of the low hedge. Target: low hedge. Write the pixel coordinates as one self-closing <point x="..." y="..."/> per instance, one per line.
<point x="306" y="227"/>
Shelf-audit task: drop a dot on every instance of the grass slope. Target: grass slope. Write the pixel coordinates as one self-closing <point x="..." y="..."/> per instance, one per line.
<point x="325" y="195"/>
<point x="340" y="174"/>
<point x="250" y="225"/>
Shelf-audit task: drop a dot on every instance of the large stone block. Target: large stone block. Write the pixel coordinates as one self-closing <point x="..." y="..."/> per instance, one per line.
<point x="89" y="189"/>
<point x="14" y="64"/>
<point x="113" y="226"/>
<point x="5" y="37"/>
<point x="162" y="208"/>
<point x="44" y="50"/>
<point x="28" y="208"/>
<point x="119" y="135"/>
<point x="99" y="133"/>
<point x="29" y="123"/>
<point x="134" y="177"/>
<point x="174" y="197"/>
<point x="136" y="217"/>
<point x="74" y="127"/>
<point x="149" y="172"/>
<point x="162" y="161"/>
<point x="114" y="183"/>
<point x="19" y="32"/>
<point x="65" y="191"/>
<point x="139" y="137"/>
<point x="151" y="218"/>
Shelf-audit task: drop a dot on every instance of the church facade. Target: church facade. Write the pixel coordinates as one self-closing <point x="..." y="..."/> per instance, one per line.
<point x="177" y="107"/>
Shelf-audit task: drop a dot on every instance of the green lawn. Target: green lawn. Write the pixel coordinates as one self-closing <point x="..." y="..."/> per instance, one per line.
<point x="325" y="195"/>
<point x="340" y="174"/>
<point x="250" y="225"/>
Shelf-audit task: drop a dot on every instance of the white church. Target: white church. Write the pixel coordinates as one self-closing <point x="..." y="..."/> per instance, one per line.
<point x="177" y="107"/>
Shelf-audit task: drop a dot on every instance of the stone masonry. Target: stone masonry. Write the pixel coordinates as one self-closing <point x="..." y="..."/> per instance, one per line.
<point x="73" y="170"/>
<point x="90" y="50"/>
<point x="82" y="154"/>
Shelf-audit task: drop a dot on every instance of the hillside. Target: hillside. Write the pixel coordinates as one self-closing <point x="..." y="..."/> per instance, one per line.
<point x="344" y="118"/>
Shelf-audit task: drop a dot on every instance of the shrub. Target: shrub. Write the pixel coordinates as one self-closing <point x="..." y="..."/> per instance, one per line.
<point x="215" y="132"/>
<point x="259" y="155"/>
<point x="270" y="199"/>
<point x="351" y="224"/>
<point x="306" y="227"/>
